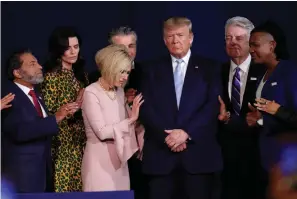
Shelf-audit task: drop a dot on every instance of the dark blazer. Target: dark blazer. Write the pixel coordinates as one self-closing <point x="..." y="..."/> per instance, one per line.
<point x="281" y="87"/>
<point x="239" y="142"/>
<point x="255" y="74"/>
<point x="26" y="143"/>
<point x="134" y="77"/>
<point x="197" y="115"/>
<point x="287" y="115"/>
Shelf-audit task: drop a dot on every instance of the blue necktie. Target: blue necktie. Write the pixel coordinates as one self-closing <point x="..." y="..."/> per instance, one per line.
<point x="178" y="80"/>
<point x="235" y="93"/>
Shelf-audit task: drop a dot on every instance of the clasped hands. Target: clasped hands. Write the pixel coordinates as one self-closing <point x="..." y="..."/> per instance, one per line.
<point x="176" y="140"/>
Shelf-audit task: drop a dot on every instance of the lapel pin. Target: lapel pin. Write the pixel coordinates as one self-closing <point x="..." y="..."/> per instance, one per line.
<point x="273" y="83"/>
<point x="253" y="78"/>
<point x="196" y="67"/>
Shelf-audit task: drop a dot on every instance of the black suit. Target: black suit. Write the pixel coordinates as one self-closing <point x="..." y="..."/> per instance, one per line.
<point x="134" y="77"/>
<point x="240" y="142"/>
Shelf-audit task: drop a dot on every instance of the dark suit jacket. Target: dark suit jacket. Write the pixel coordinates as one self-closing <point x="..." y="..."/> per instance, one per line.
<point x="236" y="133"/>
<point x="287" y="115"/>
<point x="281" y="87"/>
<point x="197" y="115"/>
<point x="134" y="77"/>
<point x="26" y="142"/>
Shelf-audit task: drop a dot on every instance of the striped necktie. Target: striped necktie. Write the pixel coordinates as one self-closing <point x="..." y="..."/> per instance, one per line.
<point x="235" y="92"/>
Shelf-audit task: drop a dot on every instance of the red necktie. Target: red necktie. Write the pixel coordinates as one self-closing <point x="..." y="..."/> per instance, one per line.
<point x="36" y="103"/>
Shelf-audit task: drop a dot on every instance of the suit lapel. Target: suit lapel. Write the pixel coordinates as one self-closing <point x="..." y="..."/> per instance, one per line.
<point x="194" y="88"/>
<point x="40" y="99"/>
<point x="21" y="96"/>
<point x="165" y="90"/>
<point x="255" y="75"/>
<point x="225" y="82"/>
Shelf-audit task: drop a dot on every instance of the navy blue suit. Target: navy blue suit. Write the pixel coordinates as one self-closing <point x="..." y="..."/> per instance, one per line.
<point x="281" y="87"/>
<point x="26" y="143"/>
<point x="197" y="115"/>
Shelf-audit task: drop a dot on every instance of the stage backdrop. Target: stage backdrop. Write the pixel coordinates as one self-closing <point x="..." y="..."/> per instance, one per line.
<point x="29" y="24"/>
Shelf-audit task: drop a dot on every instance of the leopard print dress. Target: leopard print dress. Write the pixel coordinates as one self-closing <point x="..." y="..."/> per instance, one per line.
<point x="59" y="88"/>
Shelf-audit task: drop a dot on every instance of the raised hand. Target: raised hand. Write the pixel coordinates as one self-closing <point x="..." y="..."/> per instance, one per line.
<point x="224" y="115"/>
<point x="137" y="102"/>
<point x="6" y="100"/>
<point x="130" y="95"/>
<point x="267" y="106"/>
<point x="253" y="116"/>
<point x="67" y="109"/>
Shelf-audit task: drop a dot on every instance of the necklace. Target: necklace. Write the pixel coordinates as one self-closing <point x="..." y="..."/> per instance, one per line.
<point x="108" y="92"/>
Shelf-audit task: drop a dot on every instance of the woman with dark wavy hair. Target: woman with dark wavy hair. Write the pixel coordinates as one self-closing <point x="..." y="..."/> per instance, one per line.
<point x="64" y="82"/>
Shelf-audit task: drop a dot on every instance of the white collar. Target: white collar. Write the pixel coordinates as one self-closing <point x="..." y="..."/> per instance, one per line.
<point x="185" y="58"/>
<point x="25" y="89"/>
<point x="133" y="65"/>
<point x="244" y="66"/>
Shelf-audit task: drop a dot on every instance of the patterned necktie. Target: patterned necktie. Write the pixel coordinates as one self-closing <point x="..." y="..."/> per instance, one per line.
<point x="235" y="93"/>
<point x="36" y="103"/>
<point x="178" y="80"/>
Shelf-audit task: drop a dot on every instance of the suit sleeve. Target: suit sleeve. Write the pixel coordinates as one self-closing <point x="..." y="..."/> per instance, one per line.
<point x="22" y="130"/>
<point x="289" y="116"/>
<point x="148" y="116"/>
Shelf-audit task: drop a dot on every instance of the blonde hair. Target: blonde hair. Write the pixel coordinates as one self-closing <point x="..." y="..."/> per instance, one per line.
<point x="111" y="61"/>
<point x="177" y="22"/>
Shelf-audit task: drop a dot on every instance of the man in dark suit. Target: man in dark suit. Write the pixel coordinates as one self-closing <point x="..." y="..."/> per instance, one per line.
<point x="240" y="76"/>
<point x="126" y="36"/>
<point x="179" y="114"/>
<point x="27" y="128"/>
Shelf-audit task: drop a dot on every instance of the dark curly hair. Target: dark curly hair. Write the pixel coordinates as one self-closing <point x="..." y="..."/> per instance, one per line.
<point x="58" y="43"/>
<point x="277" y="33"/>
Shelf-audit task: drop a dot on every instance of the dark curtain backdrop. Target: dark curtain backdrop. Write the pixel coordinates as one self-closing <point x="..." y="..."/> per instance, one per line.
<point x="29" y="24"/>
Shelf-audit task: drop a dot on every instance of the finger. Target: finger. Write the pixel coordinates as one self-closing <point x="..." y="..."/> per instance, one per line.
<point x="221" y="101"/>
<point x="136" y="99"/>
<point x="253" y="109"/>
<point x="174" y="146"/>
<point x="168" y="131"/>
<point x="140" y="103"/>
<point x="261" y="109"/>
<point x="171" y="144"/>
<point x="7" y="106"/>
<point x="7" y="99"/>
<point x="260" y="100"/>
<point x="8" y="95"/>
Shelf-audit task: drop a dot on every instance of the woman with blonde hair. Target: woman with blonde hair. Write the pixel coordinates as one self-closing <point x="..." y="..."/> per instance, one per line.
<point x="109" y="124"/>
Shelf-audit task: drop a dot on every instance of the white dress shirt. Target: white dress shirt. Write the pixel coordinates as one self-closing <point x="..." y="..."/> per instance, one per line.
<point x="184" y="64"/>
<point x="26" y="90"/>
<point x="244" y="70"/>
<point x="259" y="94"/>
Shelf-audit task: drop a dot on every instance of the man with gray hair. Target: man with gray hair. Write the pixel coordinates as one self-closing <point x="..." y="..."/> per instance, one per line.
<point x="126" y="36"/>
<point x="241" y="175"/>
